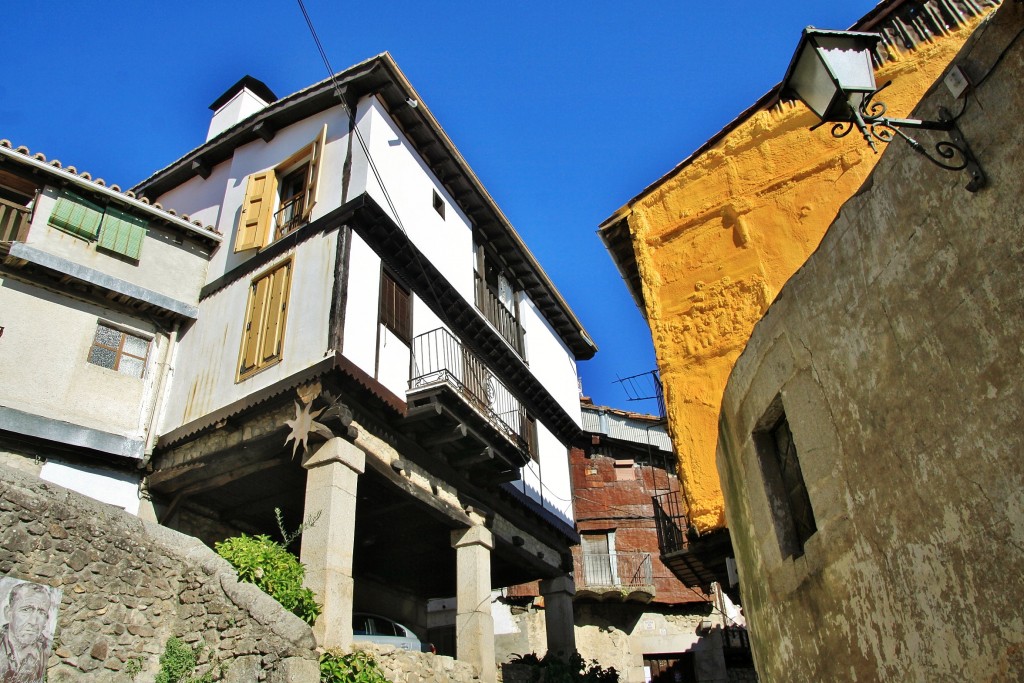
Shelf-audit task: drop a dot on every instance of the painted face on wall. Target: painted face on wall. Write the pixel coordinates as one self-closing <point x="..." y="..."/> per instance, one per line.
<point x="27" y="615"/>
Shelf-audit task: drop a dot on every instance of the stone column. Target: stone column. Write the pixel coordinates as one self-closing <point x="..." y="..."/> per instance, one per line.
<point x="559" y="620"/>
<point x="331" y="479"/>
<point x="474" y="625"/>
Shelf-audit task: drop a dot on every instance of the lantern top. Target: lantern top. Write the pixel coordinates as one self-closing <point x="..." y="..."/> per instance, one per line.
<point x="831" y="71"/>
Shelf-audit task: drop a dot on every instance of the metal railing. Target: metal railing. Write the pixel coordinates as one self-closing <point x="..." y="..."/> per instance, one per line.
<point x="439" y="358"/>
<point x="614" y="571"/>
<point x="497" y="314"/>
<point x="289" y="217"/>
<point x="670" y="521"/>
<point x="13" y="221"/>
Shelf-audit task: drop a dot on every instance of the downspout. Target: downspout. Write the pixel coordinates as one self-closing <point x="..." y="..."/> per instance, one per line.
<point x="166" y="369"/>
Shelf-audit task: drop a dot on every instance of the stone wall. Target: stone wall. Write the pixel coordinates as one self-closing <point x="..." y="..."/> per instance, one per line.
<point x="405" y="666"/>
<point x="895" y="356"/>
<point x="129" y="585"/>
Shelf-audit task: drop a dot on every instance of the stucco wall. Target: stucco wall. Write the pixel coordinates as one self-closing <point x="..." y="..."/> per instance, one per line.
<point x="44" y="364"/>
<point x="895" y="353"/>
<point x="719" y="236"/>
<point x="127" y="586"/>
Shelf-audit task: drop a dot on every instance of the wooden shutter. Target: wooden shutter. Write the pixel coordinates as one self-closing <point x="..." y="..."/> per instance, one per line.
<point x="76" y="215"/>
<point x="122" y="233"/>
<point x="257" y="209"/>
<point x="277" y="304"/>
<point x="253" y="325"/>
<point x="313" y="172"/>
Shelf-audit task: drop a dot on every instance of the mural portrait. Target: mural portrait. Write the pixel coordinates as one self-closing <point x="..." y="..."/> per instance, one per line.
<point x="28" y="616"/>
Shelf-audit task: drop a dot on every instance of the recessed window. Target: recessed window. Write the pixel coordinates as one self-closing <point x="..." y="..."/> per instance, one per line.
<point x="125" y="353"/>
<point x="784" y="483"/>
<point x="395" y="308"/>
<point x="438" y="204"/>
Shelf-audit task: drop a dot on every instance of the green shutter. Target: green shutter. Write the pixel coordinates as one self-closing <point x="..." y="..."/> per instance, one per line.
<point x="122" y="233"/>
<point x="76" y="215"/>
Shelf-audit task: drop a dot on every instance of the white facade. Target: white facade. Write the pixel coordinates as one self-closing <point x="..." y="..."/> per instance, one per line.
<point x="402" y="183"/>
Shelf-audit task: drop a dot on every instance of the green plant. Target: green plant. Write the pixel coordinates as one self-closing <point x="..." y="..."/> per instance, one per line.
<point x="277" y="572"/>
<point x="133" y="667"/>
<point x="288" y="538"/>
<point x="178" y="662"/>
<point x="552" y="669"/>
<point x="354" y="667"/>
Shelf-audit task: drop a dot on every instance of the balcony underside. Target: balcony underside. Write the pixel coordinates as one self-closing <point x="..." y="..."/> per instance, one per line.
<point x="446" y="425"/>
<point x="702" y="560"/>
<point x="641" y="594"/>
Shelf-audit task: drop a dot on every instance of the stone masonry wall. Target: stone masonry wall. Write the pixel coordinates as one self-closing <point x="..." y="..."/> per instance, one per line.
<point x="129" y="585"/>
<point x="405" y="666"/>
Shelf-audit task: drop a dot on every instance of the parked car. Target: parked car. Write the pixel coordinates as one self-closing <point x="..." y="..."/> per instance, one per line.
<point x="372" y="628"/>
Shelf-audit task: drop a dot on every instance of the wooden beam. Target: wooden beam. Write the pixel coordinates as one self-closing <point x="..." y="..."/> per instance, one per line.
<point x="457" y="433"/>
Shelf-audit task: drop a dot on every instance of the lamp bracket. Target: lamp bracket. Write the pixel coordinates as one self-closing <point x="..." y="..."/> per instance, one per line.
<point x="953" y="155"/>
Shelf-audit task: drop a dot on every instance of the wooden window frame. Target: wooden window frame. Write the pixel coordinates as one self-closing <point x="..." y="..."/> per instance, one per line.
<point x="266" y="317"/>
<point x="119" y="351"/>
<point x="390" y="311"/>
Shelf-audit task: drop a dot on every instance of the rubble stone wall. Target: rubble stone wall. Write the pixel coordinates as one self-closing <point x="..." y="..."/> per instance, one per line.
<point x="129" y="585"/>
<point x="404" y="666"/>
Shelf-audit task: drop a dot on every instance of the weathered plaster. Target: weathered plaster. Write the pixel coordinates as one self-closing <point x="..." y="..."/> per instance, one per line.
<point x="716" y="241"/>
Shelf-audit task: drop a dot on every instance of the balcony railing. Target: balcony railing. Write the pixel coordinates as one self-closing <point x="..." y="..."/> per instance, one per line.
<point x="13" y="221"/>
<point x="438" y="358"/>
<point x="671" y="522"/>
<point x="498" y="315"/>
<point x="621" y="572"/>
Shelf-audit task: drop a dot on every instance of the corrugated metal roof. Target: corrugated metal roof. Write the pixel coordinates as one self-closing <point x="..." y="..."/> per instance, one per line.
<point x="626" y="426"/>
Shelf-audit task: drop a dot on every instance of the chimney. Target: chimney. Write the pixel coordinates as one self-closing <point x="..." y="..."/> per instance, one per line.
<point x="239" y="102"/>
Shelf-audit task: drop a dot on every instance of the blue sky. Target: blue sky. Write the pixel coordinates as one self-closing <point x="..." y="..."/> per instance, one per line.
<point x="565" y="110"/>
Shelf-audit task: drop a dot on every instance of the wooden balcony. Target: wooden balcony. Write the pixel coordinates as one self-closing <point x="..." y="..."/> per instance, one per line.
<point x="13" y="221"/>
<point x="498" y="315"/>
<point x="695" y="559"/>
<point x="460" y="410"/>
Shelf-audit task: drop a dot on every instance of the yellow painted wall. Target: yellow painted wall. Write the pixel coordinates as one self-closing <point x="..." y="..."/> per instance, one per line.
<point x="716" y="241"/>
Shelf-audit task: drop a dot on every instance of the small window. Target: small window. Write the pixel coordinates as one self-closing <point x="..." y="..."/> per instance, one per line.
<point x="125" y="353"/>
<point x="784" y="484"/>
<point x="395" y="308"/>
<point x="438" y="204"/>
<point x="263" y="336"/>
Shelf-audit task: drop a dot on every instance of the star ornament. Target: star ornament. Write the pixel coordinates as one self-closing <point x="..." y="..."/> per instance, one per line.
<point x="302" y="425"/>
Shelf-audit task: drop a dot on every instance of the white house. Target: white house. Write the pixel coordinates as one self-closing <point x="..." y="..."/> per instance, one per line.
<point x="94" y="288"/>
<point x="367" y="281"/>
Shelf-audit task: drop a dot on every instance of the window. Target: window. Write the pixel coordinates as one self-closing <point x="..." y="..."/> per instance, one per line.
<point x="115" y="230"/>
<point x="395" y="308"/>
<point x="599" y="565"/>
<point x="266" y="312"/>
<point x="125" y="353"/>
<point x="438" y="204"/>
<point x="784" y="484"/>
<point x="281" y="200"/>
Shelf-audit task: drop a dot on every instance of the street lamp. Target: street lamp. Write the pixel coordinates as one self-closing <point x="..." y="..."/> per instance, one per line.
<point x="833" y="74"/>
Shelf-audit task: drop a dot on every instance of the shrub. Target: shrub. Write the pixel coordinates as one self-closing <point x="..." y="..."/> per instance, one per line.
<point x="356" y="667"/>
<point x="277" y="572"/>
<point x="178" y="662"/>
<point x="551" y="669"/>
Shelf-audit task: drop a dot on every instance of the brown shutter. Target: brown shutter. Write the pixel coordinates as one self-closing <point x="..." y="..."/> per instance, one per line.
<point x="257" y="209"/>
<point x="273" y="329"/>
<point x="313" y="173"/>
<point x="253" y="324"/>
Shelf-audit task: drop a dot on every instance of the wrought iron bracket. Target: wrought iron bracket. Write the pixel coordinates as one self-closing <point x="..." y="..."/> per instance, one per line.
<point x="953" y="154"/>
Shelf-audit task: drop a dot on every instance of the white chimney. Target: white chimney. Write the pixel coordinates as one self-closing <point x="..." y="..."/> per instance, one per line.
<point x="239" y="102"/>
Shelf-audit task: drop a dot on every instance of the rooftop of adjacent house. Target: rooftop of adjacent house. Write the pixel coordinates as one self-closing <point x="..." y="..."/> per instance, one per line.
<point x="903" y="25"/>
<point x="625" y="425"/>
<point x="380" y="75"/>
<point x="62" y="175"/>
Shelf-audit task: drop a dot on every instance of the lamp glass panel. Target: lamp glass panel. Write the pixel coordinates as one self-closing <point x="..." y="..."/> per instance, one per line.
<point x="811" y="81"/>
<point x="850" y="61"/>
